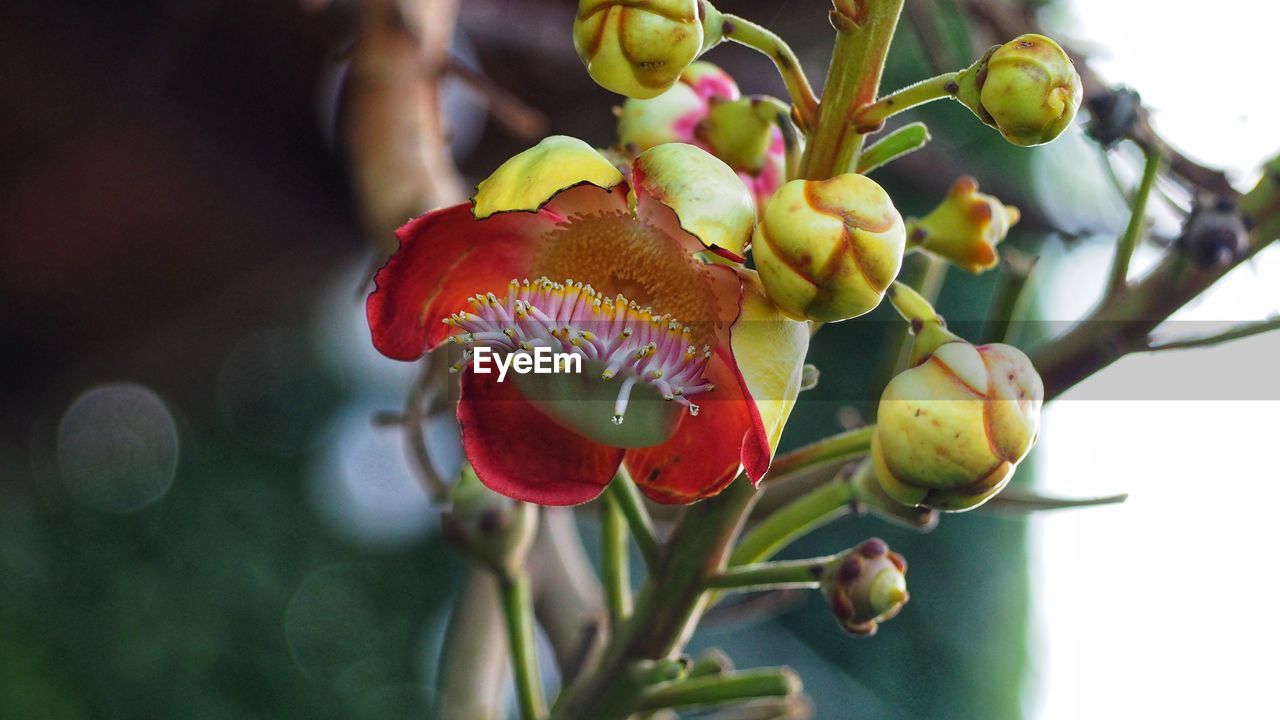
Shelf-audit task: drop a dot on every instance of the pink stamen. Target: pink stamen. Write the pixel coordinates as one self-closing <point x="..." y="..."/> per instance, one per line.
<point x="573" y="318"/>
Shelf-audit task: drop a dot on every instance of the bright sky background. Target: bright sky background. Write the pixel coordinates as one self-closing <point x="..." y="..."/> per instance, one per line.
<point x="1165" y="606"/>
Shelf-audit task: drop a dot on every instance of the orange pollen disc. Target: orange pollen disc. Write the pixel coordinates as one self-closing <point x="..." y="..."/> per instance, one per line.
<point x="618" y="254"/>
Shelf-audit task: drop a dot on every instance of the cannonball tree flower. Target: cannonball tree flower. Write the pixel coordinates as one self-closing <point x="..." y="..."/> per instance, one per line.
<point x="865" y="586"/>
<point x="706" y="109"/>
<point x="688" y="370"/>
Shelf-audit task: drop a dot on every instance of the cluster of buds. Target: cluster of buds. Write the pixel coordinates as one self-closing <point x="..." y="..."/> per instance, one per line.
<point x="953" y="427"/>
<point x="828" y="249"/>
<point x="865" y="586"/>
<point x="965" y="228"/>
<point x="705" y="108"/>
<point x="1026" y="88"/>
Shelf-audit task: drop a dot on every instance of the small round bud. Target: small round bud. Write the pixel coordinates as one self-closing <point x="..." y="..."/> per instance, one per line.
<point x="1027" y="89"/>
<point x="865" y="586"/>
<point x="1215" y="234"/>
<point x="952" y="429"/>
<point x="965" y="228"/>
<point x="637" y="48"/>
<point x="828" y="249"/>
<point x="705" y="109"/>
<point x="674" y="115"/>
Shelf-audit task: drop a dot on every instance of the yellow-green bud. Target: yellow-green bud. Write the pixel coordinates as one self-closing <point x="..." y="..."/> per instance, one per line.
<point x="827" y="249"/>
<point x="739" y="133"/>
<point x="865" y="587"/>
<point x="637" y="48"/>
<point x="1026" y="88"/>
<point x="674" y="115"/>
<point x="951" y="430"/>
<point x="965" y="228"/>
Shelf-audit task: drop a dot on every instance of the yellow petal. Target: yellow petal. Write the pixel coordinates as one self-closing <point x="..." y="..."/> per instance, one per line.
<point x="770" y="349"/>
<point x="528" y="180"/>
<point x="707" y="196"/>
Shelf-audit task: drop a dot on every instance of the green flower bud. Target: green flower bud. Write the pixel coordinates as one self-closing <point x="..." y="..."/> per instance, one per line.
<point x="674" y="115"/>
<point x="637" y="48"/>
<point x="865" y="587"/>
<point x="1027" y="89"/>
<point x="491" y="529"/>
<point x="739" y="133"/>
<point x="951" y="430"/>
<point x="828" y="249"/>
<point x="965" y="228"/>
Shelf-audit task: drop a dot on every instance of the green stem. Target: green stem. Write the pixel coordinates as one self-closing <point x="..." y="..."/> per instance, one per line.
<point x="771" y="575"/>
<point x="863" y="33"/>
<point x="759" y="38"/>
<point x="903" y="141"/>
<point x="517" y="607"/>
<point x="796" y="519"/>
<point x="730" y="687"/>
<point x="840" y="447"/>
<point x="473" y="664"/>
<point x="1137" y="219"/>
<point x="871" y="117"/>
<point x="615" y="560"/>
<point x="627" y="495"/>
<point x="1024" y="502"/>
<point x="668" y="605"/>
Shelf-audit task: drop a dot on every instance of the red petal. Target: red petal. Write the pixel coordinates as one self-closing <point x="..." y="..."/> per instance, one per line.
<point x="709" y="449"/>
<point x="518" y="452"/>
<point x="445" y="257"/>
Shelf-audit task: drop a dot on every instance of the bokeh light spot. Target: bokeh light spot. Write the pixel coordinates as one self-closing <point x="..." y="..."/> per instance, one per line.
<point x="118" y="448"/>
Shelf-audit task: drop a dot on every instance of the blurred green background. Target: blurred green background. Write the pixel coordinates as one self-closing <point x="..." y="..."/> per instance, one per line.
<point x="198" y="518"/>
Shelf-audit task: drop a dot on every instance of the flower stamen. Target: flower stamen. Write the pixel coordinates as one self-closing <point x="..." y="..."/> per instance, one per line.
<point x="613" y="333"/>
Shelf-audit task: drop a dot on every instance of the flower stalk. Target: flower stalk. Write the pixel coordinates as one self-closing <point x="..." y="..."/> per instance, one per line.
<point x="902" y="141"/>
<point x="1119" y="276"/>
<point x="721" y="689"/>
<point x="841" y="447"/>
<point x="759" y="38"/>
<point x="517" y="610"/>
<point x="871" y="117"/>
<point x="626" y="496"/>
<point x="615" y="559"/>
<point x="771" y="575"/>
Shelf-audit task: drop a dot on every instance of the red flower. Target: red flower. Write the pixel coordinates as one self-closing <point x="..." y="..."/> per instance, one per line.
<point x="688" y="371"/>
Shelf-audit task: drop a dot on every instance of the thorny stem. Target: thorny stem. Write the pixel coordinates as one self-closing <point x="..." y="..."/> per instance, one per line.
<point x="615" y="559"/>
<point x="871" y="117"/>
<point x="623" y="491"/>
<point x="725" y="688"/>
<point x="517" y="609"/>
<point x="759" y="38"/>
<point x="779" y="575"/>
<point x="1118" y="279"/>
<point x="863" y="33"/>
